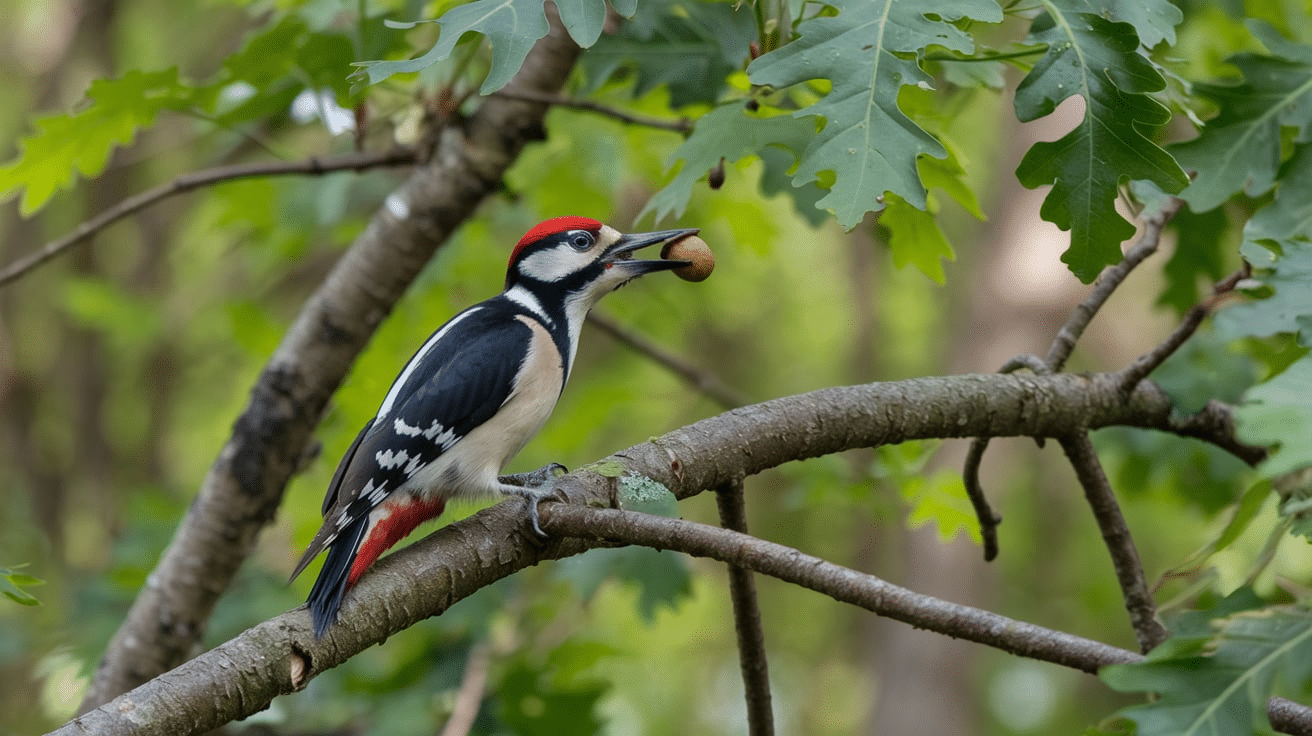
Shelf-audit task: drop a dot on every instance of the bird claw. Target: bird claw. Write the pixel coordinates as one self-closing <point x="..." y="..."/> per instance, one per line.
<point x="535" y="487"/>
<point x="535" y="478"/>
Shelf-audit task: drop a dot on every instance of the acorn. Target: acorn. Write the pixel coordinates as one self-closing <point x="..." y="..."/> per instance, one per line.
<point x="694" y="249"/>
<point x="715" y="177"/>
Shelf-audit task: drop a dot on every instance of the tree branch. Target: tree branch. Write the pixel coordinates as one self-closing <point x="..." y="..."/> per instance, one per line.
<point x="280" y="655"/>
<point x="1148" y="362"/>
<point x="1116" y="535"/>
<point x="988" y="518"/>
<point x="696" y="377"/>
<point x="1063" y="344"/>
<point x="678" y="126"/>
<point x="315" y="166"/>
<point x="747" y="618"/>
<point x="470" y="694"/>
<point x="410" y="585"/>
<point x="245" y="485"/>
<point x="1108" y="281"/>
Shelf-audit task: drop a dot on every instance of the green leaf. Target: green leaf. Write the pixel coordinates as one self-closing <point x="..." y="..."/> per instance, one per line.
<point x="1245" y="511"/>
<point x="14" y="582"/>
<point x="21" y="598"/>
<point x="510" y="26"/>
<point x="18" y="578"/>
<point x="1224" y="692"/>
<point x="1279" y="413"/>
<point x="1154" y="20"/>
<point x="776" y="179"/>
<point x="1278" y="244"/>
<point x="949" y="175"/>
<point x="940" y="499"/>
<point x="584" y="19"/>
<point x="869" y="51"/>
<point x="729" y="132"/>
<point x="1203" y="241"/>
<point x="915" y="238"/>
<point x="691" y="47"/>
<point x="1098" y="60"/>
<point x="1205" y="368"/>
<point x="64" y="146"/>
<point x="1189" y="474"/>
<point x="1240" y="149"/>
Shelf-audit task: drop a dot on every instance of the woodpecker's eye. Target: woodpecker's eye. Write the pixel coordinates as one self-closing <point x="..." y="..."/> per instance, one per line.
<point x="581" y="240"/>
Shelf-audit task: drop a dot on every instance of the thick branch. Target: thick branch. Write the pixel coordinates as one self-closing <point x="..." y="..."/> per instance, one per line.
<point x="315" y="166"/>
<point x="423" y="580"/>
<point x="280" y="655"/>
<point x="246" y="483"/>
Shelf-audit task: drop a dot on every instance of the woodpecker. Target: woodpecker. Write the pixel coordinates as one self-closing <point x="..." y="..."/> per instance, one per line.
<point x="470" y="399"/>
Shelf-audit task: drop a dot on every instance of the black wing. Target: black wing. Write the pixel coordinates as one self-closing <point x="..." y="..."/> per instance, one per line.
<point x="461" y="380"/>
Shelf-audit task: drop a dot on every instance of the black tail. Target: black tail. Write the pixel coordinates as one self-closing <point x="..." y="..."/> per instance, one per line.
<point x="330" y="587"/>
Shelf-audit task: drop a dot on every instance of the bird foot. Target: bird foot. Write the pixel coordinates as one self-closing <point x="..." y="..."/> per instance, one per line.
<point x="534" y="486"/>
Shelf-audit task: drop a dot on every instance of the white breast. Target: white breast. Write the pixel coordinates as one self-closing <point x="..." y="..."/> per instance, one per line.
<point x="470" y="468"/>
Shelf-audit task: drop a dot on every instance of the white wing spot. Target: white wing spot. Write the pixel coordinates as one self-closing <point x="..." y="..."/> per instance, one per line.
<point x="445" y="440"/>
<point x="388" y="459"/>
<point x="416" y="463"/>
<point x="405" y="429"/>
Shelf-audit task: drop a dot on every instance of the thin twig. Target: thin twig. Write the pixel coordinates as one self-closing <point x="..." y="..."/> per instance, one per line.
<point x="747" y="618"/>
<point x="1116" y="535"/>
<point x="682" y="125"/>
<point x="1215" y="423"/>
<point x="310" y="167"/>
<point x="988" y="518"/>
<point x="1064" y="343"/>
<point x="984" y="513"/>
<point x="469" y="697"/>
<point x="1148" y="362"/>
<point x="696" y="377"/>
<point x="1036" y="365"/>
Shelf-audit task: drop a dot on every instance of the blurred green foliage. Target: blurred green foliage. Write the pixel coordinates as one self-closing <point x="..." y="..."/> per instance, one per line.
<point x="123" y="365"/>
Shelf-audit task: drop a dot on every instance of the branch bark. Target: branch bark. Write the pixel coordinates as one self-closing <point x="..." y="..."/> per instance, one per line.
<point x="245" y="485"/>
<point x="752" y="658"/>
<point x="281" y="655"/>
<point x="314" y="166"/>
<point x="1116" y="535"/>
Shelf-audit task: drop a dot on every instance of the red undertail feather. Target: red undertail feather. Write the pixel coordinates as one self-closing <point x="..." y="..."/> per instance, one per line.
<point x="401" y="518"/>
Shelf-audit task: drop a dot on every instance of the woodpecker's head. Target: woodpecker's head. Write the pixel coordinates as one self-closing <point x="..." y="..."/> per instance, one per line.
<point x="580" y="258"/>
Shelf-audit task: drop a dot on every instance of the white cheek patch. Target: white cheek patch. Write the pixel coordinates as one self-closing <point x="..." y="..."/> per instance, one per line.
<point x="555" y="264"/>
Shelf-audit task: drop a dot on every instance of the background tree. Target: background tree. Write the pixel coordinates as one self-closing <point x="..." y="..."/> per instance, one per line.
<point x="207" y="235"/>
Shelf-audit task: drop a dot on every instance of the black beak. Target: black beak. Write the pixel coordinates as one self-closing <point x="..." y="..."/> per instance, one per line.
<point x="621" y="253"/>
